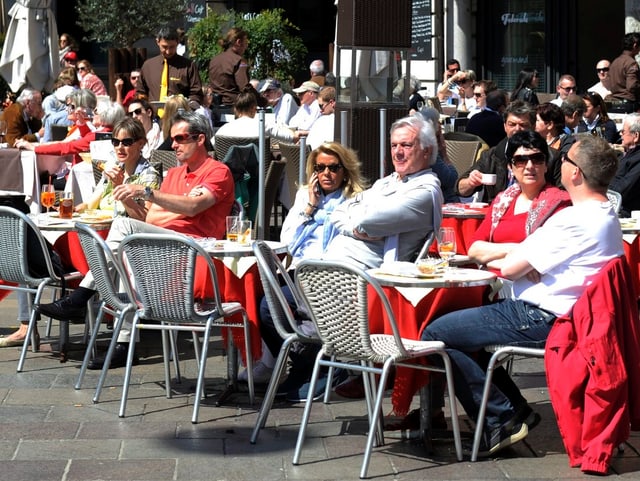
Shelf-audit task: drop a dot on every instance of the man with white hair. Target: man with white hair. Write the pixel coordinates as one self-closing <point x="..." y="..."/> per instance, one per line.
<point x="23" y="117"/>
<point x="316" y="69"/>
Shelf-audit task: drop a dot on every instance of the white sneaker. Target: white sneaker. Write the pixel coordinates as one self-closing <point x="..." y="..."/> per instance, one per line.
<point x="261" y="374"/>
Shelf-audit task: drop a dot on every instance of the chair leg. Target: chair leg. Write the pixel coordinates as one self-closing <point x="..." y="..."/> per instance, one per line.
<point x="477" y="437"/>
<point x="30" y="337"/>
<point x="375" y="419"/>
<point x="272" y="389"/>
<point x="307" y="410"/>
<point x="127" y="374"/>
<point x="166" y="362"/>
<point x="201" y="372"/>
<point x="90" y="350"/>
<point x="173" y="339"/>
<point x="453" y="408"/>
<point x="117" y="326"/>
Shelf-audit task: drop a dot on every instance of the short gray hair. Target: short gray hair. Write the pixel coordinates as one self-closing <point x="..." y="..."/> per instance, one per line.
<point x="633" y="121"/>
<point x="198" y="124"/>
<point x="110" y="112"/>
<point x="426" y="133"/>
<point x="26" y="94"/>
<point x="84" y="98"/>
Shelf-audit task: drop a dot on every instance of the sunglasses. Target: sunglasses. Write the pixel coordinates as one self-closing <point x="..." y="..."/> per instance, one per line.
<point x="70" y="107"/>
<point x="322" y="106"/>
<point x="569" y="89"/>
<point x="333" y="168"/>
<point x="128" y="142"/>
<point x="521" y="161"/>
<point x="134" y="77"/>
<point x="184" y="138"/>
<point x="135" y="112"/>
<point x="478" y="94"/>
<point x="82" y="68"/>
<point x="602" y="70"/>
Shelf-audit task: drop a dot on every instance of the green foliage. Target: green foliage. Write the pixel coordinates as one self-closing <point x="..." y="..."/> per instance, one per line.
<point x="123" y="22"/>
<point x="274" y="50"/>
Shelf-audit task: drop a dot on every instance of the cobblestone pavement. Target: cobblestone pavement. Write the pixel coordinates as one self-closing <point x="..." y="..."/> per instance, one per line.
<point x="50" y="431"/>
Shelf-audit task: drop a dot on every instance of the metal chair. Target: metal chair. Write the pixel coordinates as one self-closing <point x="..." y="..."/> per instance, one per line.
<point x="337" y="296"/>
<point x="223" y="144"/>
<point x="163" y="160"/>
<point x="462" y="153"/>
<point x="291" y="152"/>
<point x="162" y="268"/>
<point x="108" y="274"/>
<point x="616" y="200"/>
<point x="21" y="240"/>
<point x="270" y="266"/>
<point x="502" y="354"/>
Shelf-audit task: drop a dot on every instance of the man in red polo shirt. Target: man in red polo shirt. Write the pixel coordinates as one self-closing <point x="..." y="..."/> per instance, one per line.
<point x="194" y="199"/>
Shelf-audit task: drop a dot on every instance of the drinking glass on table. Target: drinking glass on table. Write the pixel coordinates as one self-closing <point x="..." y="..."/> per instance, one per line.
<point x="446" y="243"/>
<point x="48" y="196"/>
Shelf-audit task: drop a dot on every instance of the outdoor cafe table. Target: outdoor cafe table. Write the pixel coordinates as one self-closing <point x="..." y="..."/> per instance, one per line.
<point x="415" y="302"/>
<point x="239" y="281"/>
<point x="631" y="245"/>
<point x="464" y="220"/>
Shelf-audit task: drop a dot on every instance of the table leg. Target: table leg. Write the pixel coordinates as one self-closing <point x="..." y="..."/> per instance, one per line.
<point x="425" y="418"/>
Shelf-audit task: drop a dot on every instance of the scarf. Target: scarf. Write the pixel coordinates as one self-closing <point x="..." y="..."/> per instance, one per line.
<point x="320" y="220"/>
<point x="549" y="200"/>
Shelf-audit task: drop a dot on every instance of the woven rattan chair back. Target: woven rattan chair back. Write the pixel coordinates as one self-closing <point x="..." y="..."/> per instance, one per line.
<point x="163" y="269"/>
<point x="462" y="153"/>
<point x="291" y="152"/>
<point x="224" y="143"/>
<point x="163" y="160"/>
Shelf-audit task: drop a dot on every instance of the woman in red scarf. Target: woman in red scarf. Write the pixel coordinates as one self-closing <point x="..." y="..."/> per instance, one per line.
<point x="523" y="206"/>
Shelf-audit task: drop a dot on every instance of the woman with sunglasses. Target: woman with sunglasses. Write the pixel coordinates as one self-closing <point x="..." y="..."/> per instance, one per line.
<point x="128" y="140"/>
<point x="596" y="120"/>
<point x="142" y="111"/>
<point x="334" y="176"/>
<point x="524" y="90"/>
<point x="521" y="208"/>
<point x="89" y="80"/>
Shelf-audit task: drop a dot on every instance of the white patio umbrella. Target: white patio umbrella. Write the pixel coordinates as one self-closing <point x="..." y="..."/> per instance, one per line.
<point x="30" y="52"/>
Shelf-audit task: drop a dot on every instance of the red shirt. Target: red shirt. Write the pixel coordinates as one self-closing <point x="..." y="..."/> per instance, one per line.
<point x="214" y="176"/>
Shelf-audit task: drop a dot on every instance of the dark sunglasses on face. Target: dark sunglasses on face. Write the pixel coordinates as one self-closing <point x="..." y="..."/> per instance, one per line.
<point x="128" y="142"/>
<point x="602" y="70"/>
<point x="71" y="107"/>
<point x="521" y="161"/>
<point x="183" y="138"/>
<point x="82" y="68"/>
<point x="135" y="112"/>
<point x="333" y="168"/>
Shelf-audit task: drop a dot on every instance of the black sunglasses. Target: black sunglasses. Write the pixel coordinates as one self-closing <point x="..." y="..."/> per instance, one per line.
<point x="184" y="138"/>
<point x="521" y="161"/>
<point x="128" y="142"/>
<point x="135" y="112"/>
<point x="82" y="68"/>
<point x="606" y="69"/>
<point x="70" y="107"/>
<point x="333" y="168"/>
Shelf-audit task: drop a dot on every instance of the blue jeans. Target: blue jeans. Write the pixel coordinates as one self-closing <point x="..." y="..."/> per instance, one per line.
<point x="470" y="330"/>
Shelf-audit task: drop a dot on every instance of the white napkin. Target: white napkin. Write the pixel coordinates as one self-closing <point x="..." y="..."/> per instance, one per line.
<point x="414" y="294"/>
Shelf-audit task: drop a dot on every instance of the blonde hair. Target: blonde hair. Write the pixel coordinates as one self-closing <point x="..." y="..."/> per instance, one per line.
<point x="172" y="105"/>
<point x="353" y="181"/>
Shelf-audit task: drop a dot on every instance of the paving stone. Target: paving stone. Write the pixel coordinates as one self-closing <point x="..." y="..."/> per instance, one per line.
<point x="125" y="470"/>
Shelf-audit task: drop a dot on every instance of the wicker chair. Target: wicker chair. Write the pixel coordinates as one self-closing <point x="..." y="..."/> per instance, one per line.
<point x="284" y="321"/>
<point x="163" y="270"/>
<point x="107" y="271"/>
<point x="615" y="199"/>
<point x="20" y="240"/>
<point x="291" y="152"/>
<point x="462" y="149"/>
<point x="163" y="160"/>
<point x="337" y="296"/>
<point x="224" y="143"/>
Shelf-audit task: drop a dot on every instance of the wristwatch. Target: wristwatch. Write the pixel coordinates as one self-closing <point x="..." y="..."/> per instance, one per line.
<point x="148" y="193"/>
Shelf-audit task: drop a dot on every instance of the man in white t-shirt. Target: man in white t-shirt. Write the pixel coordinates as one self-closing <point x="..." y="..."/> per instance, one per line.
<point x="309" y="110"/>
<point x="550" y="270"/>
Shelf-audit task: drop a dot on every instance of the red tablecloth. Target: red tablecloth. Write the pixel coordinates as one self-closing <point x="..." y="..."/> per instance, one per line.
<point x="411" y="321"/>
<point x="246" y="290"/>
<point x="632" y="253"/>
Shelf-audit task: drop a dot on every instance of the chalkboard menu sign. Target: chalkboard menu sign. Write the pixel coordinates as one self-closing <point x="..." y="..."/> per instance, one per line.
<point x="195" y="11"/>
<point x="421" y="30"/>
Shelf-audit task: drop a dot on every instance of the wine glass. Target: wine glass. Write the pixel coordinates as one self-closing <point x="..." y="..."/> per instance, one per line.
<point x="446" y="243"/>
<point x="48" y="196"/>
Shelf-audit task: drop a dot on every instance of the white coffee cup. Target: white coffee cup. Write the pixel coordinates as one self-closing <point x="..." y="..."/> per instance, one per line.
<point x="489" y="179"/>
<point x="635" y="214"/>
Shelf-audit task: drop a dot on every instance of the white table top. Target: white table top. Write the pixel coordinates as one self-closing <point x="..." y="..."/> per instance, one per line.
<point x="52" y="222"/>
<point x="224" y="248"/>
<point x="453" y="277"/>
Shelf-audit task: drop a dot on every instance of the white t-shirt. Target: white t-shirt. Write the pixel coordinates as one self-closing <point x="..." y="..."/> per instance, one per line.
<point x="568" y="250"/>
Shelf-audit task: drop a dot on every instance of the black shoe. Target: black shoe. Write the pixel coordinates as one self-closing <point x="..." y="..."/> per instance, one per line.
<point x="64" y="310"/>
<point x="525" y="414"/>
<point x="502" y="437"/>
<point x="119" y="358"/>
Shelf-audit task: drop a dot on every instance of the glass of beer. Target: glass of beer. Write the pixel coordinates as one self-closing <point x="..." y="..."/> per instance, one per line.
<point x="48" y="196"/>
<point x="244" y="232"/>
<point x="446" y="243"/>
<point x="232" y="228"/>
<point x="66" y="205"/>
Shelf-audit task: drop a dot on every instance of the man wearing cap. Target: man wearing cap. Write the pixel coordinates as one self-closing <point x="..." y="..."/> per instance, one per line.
<point x="70" y="59"/>
<point x="283" y="104"/>
<point x="309" y="110"/>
